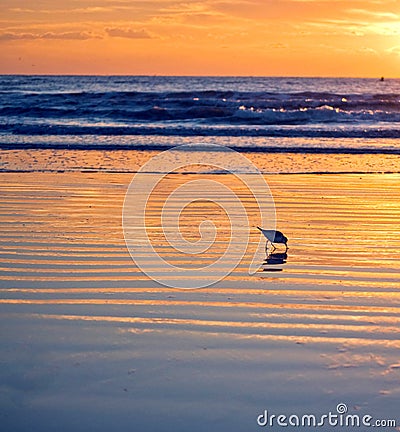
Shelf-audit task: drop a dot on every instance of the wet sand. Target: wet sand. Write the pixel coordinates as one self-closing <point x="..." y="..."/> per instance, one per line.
<point x="88" y="342"/>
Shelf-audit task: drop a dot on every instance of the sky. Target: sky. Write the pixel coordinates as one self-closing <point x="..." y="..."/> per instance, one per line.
<point x="211" y="37"/>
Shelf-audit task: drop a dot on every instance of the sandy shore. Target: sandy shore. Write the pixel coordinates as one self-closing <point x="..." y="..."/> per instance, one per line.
<point x="90" y="343"/>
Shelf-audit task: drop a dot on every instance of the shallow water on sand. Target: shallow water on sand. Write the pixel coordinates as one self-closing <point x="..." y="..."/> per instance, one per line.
<point x="275" y="156"/>
<point x="88" y="341"/>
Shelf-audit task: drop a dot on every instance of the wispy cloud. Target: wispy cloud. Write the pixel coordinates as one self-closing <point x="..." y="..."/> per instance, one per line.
<point x="394" y="50"/>
<point x="375" y="15"/>
<point x="9" y="36"/>
<point x="128" y="33"/>
<point x="117" y="32"/>
<point x="21" y="10"/>
<point x="355" y="28"/>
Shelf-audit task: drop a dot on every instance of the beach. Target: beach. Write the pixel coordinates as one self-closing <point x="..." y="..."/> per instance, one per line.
<point x="91" y="343"/>
<point x="136" y="292"/>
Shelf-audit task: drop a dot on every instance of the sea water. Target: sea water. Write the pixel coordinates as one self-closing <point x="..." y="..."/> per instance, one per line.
<point x="337" y="116"/>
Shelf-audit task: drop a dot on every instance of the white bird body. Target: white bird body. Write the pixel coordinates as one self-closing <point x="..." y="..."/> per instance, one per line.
<point x="273" y="236"/>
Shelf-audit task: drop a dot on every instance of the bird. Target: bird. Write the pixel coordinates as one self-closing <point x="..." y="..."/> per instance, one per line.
<point x="273" y="236"/>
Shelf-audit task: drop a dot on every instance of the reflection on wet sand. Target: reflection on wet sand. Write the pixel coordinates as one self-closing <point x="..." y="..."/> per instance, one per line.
<point x="273" y="260"/>
<point x="317" y="322"/>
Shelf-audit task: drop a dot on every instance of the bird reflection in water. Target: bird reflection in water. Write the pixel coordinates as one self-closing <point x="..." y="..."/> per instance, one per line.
<point x="273" y="260"/>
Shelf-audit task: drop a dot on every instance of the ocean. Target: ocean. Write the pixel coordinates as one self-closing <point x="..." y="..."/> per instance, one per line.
<point x="99" y="337"/>
<point x="251" y="114"/>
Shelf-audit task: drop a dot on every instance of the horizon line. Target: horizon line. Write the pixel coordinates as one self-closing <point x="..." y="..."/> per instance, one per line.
<point x="198" y="76"/>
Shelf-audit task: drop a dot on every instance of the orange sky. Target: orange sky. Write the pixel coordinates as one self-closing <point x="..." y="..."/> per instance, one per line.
<point x="211" y="37"/>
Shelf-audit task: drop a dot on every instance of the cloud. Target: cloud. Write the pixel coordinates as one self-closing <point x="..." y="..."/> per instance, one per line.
<point x="82" y="8"/>
<point x="128" y="33"/>
<point x="75" y="35"/>
<point x="376" y="15"/>
<point x="9" y="36"/>
<point x="22" y="10"/>
<point x="93" y="9"/>
<point x="278" y="46"/>
<point x="16" y="36"/>
<point x="345" y="27"/>
<point x="69" y="35"/>
<point x="394" y="50"/>
<point x="367" y="50"/>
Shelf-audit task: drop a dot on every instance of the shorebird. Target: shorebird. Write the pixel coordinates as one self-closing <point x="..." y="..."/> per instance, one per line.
<point x="273" y="236"/>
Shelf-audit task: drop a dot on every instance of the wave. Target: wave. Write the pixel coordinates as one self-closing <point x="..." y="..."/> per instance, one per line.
<point x="211" y="106"/>
<point x="283" y="130"/>
<point x="199" y="106"/>
<point x="248" y="148"/>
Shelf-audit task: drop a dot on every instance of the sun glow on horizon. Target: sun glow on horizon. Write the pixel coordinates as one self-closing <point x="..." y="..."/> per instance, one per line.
<point x="212" y="37"/>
